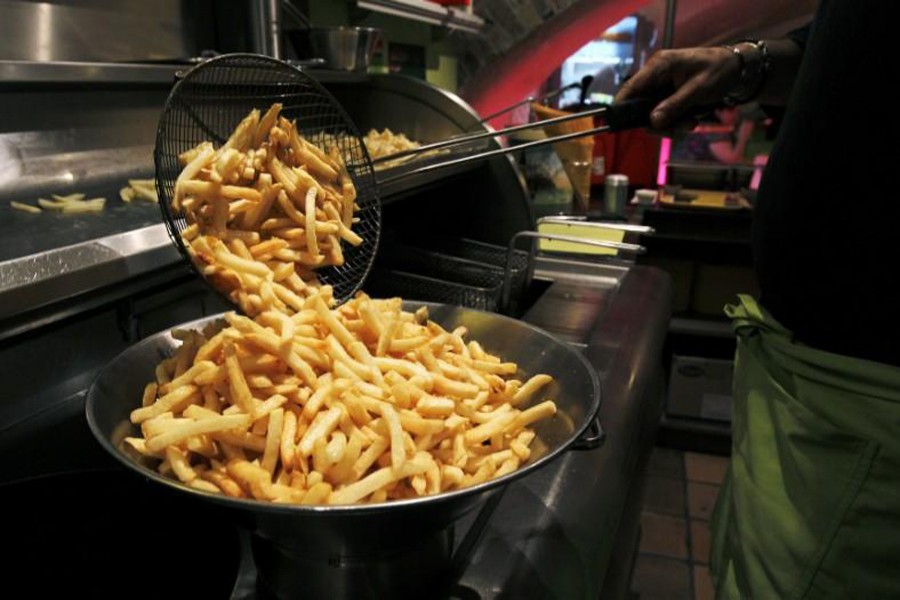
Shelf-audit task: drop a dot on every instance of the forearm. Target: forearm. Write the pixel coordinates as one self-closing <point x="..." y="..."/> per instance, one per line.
<point x="727" y="153"/>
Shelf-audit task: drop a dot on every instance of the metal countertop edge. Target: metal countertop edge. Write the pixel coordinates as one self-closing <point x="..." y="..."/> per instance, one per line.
<point x="39" y="279"/>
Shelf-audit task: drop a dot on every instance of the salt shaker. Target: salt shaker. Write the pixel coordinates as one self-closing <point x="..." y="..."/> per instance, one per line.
<point x="616" y="194"/>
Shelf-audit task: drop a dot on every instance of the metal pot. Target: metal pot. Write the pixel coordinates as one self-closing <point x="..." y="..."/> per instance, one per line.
<point x="341" y="48"/>
<point x="349" y="551"/>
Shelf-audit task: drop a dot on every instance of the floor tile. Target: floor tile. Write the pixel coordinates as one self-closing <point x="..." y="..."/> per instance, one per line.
<point x="667" y="463"/>
<point x="700" y="541"/>
<point x="701" y="499"/>
<point x="663" y="535"/>
<point x="705" y="468"/>
<point x="664" y="495"/>
<point x="658" y="578"/>
<point x="703" y="587"/>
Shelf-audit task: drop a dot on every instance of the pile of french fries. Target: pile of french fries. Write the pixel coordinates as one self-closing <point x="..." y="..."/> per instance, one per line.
<point x="363" y="403"/>
<point x="265" y="210"/>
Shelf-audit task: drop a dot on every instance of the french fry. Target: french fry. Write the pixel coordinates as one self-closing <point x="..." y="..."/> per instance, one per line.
<point x="255" y="480"/>
<point x="69" y="197"/>
<point x="240" y="391"/>
<point x="398" y="453"/>
<point x="174" y="400"/>
<point x="226" y="484"/>
<point x="273" y="440"/>
<point x="149" y="394"/>
<point x="530" y="387"/>
<point x="184" y="431"/>
<point x="317" y="493"/>
<point x="180" y="464"/>
<point x="321" y="427"/>
<point x="357" y="491"/>
<point x="25" y="207"/>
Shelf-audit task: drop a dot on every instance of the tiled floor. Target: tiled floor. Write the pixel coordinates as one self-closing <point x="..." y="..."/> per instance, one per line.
<point x="680" y="495"/>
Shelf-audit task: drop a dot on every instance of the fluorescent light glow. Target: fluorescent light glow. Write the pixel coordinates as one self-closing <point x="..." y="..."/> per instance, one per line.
<point x="665" y="150"/>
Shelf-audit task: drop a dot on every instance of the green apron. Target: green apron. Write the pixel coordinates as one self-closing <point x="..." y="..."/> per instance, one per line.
<point x="811" y="504"/>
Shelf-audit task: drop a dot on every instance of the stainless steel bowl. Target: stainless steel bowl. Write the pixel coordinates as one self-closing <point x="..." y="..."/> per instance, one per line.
<point x="347" y="551"/>
<point x="341" y="48"/>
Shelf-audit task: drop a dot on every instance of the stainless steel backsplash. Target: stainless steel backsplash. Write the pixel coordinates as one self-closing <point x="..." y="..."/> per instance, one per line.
<point x="105" y="30"/>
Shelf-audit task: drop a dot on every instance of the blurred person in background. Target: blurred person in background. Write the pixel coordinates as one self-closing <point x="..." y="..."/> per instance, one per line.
<point x="811" y="505"/>
<point x="723" y="140"/>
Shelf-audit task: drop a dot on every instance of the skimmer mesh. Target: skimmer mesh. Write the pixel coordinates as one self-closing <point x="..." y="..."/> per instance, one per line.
<point x="212" y="98"/>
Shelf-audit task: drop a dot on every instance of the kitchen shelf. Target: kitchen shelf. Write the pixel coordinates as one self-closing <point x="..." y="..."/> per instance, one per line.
<point x="15" y="72"/>
<point x="426" y="12"/>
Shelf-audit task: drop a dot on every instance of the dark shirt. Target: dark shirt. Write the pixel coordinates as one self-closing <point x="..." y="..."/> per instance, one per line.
<point x="827" y="212"/>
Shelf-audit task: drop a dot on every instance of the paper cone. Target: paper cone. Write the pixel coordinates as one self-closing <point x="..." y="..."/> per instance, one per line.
<point x="576" y="154"/>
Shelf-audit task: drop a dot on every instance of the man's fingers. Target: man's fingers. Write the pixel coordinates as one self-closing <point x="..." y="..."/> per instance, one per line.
<point x="648" y="81"/>
<point x="699" y="76"/>
<point x="675" y="107"/>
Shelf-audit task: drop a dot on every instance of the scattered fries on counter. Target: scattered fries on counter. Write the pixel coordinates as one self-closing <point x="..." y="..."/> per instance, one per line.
<point x="364" y="403"/>
<point x="72" y="203"/>
<point x="265" y="210"/>
<point x="139" y="189"/>
<point x="385" y="143"/>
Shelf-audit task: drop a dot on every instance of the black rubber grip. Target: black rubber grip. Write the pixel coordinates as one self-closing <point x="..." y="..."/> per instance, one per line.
<point x="635" y="112"/>
<point x="630" y="114"/>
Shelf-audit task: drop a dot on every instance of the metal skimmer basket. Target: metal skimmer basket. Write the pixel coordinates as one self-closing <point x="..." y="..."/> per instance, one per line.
<point x="470" y="289"/>
<point x="447" y="257"/>
<point x="212" y="98"/>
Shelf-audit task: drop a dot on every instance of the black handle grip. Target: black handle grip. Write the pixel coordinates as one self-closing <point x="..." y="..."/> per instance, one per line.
<point x="635" y="112"/>
<point x="630" y="114"/>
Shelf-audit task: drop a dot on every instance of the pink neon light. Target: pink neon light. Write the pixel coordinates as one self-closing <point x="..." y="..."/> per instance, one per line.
<point x="759" y="163"/>
<point x="665" y="150"/>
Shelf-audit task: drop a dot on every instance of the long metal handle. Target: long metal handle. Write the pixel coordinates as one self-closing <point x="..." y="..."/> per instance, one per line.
<point x="483" y="155"/>
<point x="529" y="100"/>
<point x="511" y="249"/>
<point x="629" y="114"/>
<point x="462" y="139"/>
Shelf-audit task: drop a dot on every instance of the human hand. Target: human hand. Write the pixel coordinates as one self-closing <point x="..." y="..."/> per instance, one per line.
<point x="698" y="76"/>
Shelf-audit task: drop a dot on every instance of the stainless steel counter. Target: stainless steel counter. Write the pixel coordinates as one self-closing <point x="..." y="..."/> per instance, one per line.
<point x="554" y="534"/>
<point x="57" y="274"/>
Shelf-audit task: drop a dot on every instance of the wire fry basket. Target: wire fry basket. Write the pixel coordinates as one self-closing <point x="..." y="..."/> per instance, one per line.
<point x="213" y="97"/>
